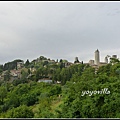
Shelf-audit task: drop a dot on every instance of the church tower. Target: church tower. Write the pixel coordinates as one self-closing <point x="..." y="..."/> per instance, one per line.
<point x="97" y="58"/>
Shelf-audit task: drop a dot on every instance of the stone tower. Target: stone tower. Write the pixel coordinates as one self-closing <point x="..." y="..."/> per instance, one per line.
<point x="97" y="58"/>
<point x="76" y="60"/>
<point x="106" y="59"/>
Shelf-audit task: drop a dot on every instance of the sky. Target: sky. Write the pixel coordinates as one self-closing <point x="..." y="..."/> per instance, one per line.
<point x="58" y="30"/>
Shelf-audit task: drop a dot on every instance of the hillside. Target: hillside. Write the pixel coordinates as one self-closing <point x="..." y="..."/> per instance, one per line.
<point x="82" y="92"/>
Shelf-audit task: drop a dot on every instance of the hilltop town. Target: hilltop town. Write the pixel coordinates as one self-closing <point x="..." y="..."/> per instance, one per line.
<point x="45" y="88"/>
<point x="18" y="69"/>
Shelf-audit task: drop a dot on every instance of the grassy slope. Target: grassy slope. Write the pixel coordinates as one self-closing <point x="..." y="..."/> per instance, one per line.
<point x="54" y="105"/>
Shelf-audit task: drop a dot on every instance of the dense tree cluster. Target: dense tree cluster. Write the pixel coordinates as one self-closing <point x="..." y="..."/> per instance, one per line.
<point x="97" y="105"/>
<point x="27" y="98"/>
<point x="16" y="101"/>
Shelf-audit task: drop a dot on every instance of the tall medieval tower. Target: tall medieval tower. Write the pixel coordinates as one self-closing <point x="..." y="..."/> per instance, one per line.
<point x="97" y="58"/>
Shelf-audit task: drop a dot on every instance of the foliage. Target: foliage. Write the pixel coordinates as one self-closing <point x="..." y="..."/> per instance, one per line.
<point x="27" y="98"/>
<point x="20" y="112"/>
<point x="7" y="75"/>
<point x="96" y="105"/>
<point x="3" y="93"/>
<point x="27" y="63"/>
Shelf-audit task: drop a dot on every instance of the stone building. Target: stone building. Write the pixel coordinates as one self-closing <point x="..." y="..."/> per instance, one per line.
<point x="20" y="65"/>
<point x="96" y="63"/>
<point x="97" y="57"/>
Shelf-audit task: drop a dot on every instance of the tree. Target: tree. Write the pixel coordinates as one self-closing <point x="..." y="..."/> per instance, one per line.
<point x="29" y="71"/>
<point x="44" y="108"/>
<point x="7" y="75"/>
<point x="3" y="92"/>
<point x="97" y="105"/>
<point x="114" y="60"/>
<point x="1" y="68"/>
<point x="61" y="61"/>
<point x="24" y="75"/>
<point x="28" y="99"/>
<point x="27" y="63"/>
<point x="13" y="101"/>
<point x="118" y="72"/>
<point x="20" y="112"/>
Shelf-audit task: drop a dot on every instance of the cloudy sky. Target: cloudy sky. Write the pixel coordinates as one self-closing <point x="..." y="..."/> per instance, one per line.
<point x="59" y="30"/>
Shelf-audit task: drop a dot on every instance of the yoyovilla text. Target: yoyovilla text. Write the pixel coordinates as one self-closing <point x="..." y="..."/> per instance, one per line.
<point x="90" y="93"/>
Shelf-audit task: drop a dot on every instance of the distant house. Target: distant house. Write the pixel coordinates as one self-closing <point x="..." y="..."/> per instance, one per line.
<point x="58" y="82"/>
<point x="20" y="65"/>
<point x="68" y="64"/>
<point x="15" y="73"/>
<point x="46" y="81"/>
